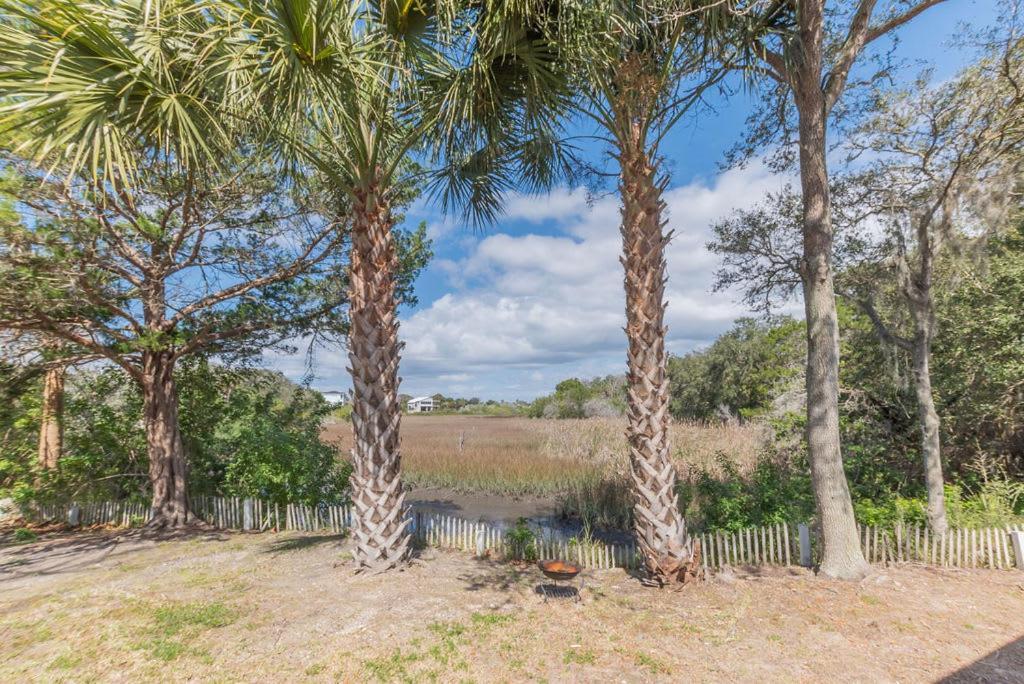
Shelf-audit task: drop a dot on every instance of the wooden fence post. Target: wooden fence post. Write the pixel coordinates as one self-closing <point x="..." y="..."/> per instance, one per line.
<point x="247" y="515"/>
<point x="805" y="545"/>
<point x="481" y="547"/>
<point x="1017" y="537"/>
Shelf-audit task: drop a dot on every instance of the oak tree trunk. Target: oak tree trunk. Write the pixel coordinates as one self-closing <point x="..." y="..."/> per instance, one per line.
<point x="51" y="428"/>
<point x="669" y="554"/>
<point x="167" y="470"/>
<point x="928" y="419"/>
<point x="381" y="539"/>
<point x="841" y="552"/>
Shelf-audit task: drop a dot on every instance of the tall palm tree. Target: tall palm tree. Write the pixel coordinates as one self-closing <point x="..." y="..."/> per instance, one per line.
<point x="362" y="88"/>
<point x="351" y="89"/>
<point x="635" y="69"/>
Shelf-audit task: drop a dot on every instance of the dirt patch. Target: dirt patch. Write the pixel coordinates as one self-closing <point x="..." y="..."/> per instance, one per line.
<point x="232" y="607"/>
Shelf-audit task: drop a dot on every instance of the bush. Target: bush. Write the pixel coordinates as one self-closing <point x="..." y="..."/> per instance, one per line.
<point x="245" y="432"/>
<point x="522" y="541"/>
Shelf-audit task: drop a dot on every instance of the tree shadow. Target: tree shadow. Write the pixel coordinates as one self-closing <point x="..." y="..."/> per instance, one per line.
<point x="1005" y="664"/>
<point x="68" y="552"/>
<point x="303" y="542"/>
<point x="498" y="576"/>
<point x="557" y="591"/>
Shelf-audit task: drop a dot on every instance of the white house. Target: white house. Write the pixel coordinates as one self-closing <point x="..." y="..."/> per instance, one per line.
<point x="335" y="397"/>
<point x="420" y="405"/>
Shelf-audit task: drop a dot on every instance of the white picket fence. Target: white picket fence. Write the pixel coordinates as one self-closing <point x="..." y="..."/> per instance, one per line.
<point x="780" y="544"/>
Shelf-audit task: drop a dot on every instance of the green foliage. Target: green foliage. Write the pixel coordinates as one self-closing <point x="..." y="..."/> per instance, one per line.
<point x="575" y="398"/>
<point x="474" y="406"/>
<point x="777" y="490"/>
<point x="246" y="433"/>
<point x="522" y="541"/>
<point x="740" y="374"/>
<point x="978" y="371"/>
<point x="173" y="626"/>
<point x="23" y="535"/>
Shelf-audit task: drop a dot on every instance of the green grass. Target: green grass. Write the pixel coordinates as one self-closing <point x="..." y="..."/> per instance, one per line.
<point x="651" y="664"/>
<point x="393" y="667"/>
<point x="491" y="619"/>
<point x="440" y="656"/>
<point x="580" y="656"/>
<point x="175" y="626"/>
<point x="172" y="619"/>
<point x="23" y="535"/>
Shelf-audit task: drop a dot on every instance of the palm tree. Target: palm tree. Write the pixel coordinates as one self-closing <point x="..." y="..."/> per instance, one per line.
<point x="633" y="67"/>
<point x="361" y="87"/>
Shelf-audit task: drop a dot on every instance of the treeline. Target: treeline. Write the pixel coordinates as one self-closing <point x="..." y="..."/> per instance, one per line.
<point x="246" y="432"/>
<point x="475" y="406"/>
<point x="575" y="398"/>
<point x="754" y="372"/>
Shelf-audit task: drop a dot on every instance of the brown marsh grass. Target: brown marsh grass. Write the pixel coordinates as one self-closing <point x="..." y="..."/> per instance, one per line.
<point x="546" y="457"/>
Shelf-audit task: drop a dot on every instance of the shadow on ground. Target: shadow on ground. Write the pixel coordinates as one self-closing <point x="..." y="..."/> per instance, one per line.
<point x="68" y="552"/>
<point x="303" y="542"/>
<point x="488" y="574"/>
<point x="1005" y="664"/>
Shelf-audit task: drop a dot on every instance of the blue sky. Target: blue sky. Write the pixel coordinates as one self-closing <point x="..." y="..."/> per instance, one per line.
<point x="508" y="312"/>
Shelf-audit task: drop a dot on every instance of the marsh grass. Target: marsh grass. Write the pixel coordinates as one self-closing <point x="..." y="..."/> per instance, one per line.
<point x="583" y="464"/>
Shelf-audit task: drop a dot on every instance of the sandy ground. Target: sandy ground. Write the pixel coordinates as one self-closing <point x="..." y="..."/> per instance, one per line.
<point x="107" y="606"/>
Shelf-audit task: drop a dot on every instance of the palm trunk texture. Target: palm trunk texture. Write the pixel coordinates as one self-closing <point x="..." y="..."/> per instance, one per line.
<point x="670" y="555"/>
<point x="381" y="539"/>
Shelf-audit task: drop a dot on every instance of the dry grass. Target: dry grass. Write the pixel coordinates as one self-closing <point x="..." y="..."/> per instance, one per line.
<point x="520" y="456"/>
<point x="289" y="608"/>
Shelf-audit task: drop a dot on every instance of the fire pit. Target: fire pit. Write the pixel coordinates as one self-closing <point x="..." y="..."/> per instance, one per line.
<point x="560" y="571"/>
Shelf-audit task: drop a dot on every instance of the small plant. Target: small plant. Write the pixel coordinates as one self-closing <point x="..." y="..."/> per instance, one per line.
<point x="522" y="541"/>
<point x="652" y="664"/>
<point x="491" y="619"/>
<point x="580" y="656"/>
<point x="391" y="668"/>
<point x="23" y="535"/>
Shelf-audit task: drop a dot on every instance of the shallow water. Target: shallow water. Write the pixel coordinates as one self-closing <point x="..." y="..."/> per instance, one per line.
<point x="503" y="512"/>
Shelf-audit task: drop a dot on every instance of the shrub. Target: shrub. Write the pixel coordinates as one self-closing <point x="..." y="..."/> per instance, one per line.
<point x="522" y="541"/>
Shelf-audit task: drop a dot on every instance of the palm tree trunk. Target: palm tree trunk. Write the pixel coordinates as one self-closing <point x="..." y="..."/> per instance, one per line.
<point x="51" y="429"/>
<point x="381" y="539"/>
<point x="841" y="553"/>
<point x="168" y="474"/>
<point x="669" y="554"/>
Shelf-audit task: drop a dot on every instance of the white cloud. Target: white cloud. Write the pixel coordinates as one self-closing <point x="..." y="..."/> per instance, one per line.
<point x="525" y="309"/>
<point x="522" y="303"/>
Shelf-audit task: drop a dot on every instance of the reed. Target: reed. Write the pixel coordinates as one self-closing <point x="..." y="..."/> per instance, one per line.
<point x="583" y="462"/>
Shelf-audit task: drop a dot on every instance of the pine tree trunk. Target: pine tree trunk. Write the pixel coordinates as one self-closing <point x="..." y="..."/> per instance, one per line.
<point x="381" y="539"/>
<point x="167" y="471"/>
<point x="51" y="429"/>
<point x="669" y="554"/>
<point x="928" y="418"/>
<point x="841" y="553"/>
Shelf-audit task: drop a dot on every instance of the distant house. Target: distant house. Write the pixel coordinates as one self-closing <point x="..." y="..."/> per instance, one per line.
<point x="334" y="397"/>
<point x="420" y="405"/>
